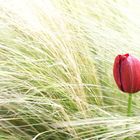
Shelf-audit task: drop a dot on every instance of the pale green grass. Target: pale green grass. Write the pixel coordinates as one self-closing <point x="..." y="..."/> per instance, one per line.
<point x="56" y="59"/>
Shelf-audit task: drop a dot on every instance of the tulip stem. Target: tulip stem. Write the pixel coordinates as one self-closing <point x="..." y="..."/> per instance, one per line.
<point x="129" y="105"/>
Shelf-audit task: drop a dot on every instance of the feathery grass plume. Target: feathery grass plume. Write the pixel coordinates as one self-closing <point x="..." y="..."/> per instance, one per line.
<point x="56" y="61"/>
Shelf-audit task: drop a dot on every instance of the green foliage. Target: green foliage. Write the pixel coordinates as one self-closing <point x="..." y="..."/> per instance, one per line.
<point x="56" y="59"/>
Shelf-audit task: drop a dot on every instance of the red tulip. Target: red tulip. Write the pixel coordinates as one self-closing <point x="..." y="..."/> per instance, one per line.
<point x="126" y="73"/>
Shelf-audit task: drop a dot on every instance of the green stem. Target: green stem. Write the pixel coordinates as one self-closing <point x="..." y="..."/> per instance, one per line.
<point x="129" y="105"/>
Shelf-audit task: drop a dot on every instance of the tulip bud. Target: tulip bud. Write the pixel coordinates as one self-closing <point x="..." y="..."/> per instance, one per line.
<point x="126" y="73"/>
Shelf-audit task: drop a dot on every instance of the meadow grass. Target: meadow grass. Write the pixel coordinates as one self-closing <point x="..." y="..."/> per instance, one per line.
<point x="56" y="59"/>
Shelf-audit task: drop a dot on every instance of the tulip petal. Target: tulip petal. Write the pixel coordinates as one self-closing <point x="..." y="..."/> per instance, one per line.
<point x="116" y="71"/>
<point x="127" y="73"/>
<point x="135" y="74"/>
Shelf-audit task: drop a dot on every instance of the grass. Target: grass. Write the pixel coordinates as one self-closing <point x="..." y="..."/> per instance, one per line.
<point x="56" y="59"/>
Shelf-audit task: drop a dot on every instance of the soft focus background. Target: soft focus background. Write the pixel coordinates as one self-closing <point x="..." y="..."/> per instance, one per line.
<point x="56" y="59"/>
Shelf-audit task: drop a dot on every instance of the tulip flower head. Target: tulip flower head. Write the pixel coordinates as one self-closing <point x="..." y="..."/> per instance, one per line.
<point x="126" y="73"/>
